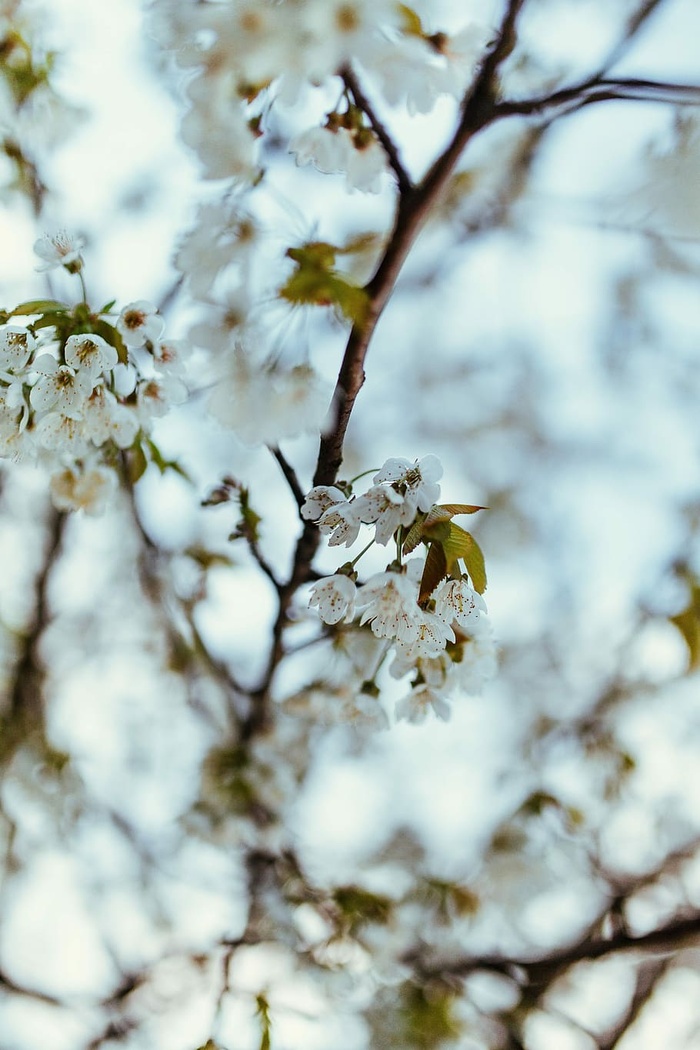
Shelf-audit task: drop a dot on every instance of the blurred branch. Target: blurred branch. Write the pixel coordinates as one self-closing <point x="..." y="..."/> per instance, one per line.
<point x="541" y="973"/>
<point x="360" y="99"/>
<point x="602" y="89"/>
<point x="635" y="23"/>
<point x="150" y="566"/>
<point x="25" y="702"/>
<point x="8" y="985"/>
<point x="649" y="973"/>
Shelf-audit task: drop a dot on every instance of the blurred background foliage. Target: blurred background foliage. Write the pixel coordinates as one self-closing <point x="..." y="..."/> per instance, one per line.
<point x="527" y="875"/>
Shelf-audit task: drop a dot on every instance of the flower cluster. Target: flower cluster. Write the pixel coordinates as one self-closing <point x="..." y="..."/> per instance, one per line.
<point x="248" y="63"/>
<point x="76" y="389"/>
<point x="425" y="610"/>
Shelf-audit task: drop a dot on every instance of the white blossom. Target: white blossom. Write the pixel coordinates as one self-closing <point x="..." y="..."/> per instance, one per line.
<point x="59" y="249"/>
<point x="155" y="396"/>
<point x="417" y="481"/>
<point x="169" y="357"/>
<point x="327" y="148"/>
<point x="335" y="598"/>
<point x="265" y="402"/>
<point x="59" y="433"/>
<point x="390" y="606"/>
<point x="59" y="387"/>
<point x="366" y="163"/>
<point x="139" y="322"/>
<point x="415" y="705"/>
<point x="105" y="419"/>
<point x="91" y="353"/>
<point x="319" y="499"/>
<point x="16" y="347"/>
<point x="341" y="522"/>
<point x="88" y="489"/>
<point x="478" y="664"/>
<point x="456" y="600"/>
<point x="430" y="638"/>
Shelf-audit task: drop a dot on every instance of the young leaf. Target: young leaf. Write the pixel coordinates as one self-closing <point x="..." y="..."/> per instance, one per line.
<point x="459" y="508"/>
<point x="473" y="559"/>
<point x="39" y="306"/>
<point x="136" y="462"/>
<point x="434" y="571"/>
<point x="110" y="334"/>
<point x="411" y="23"/>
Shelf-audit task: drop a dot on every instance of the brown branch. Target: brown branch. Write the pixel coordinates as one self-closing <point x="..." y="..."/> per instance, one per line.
<point x="540" y="973"/>
<point x="290" y="475"/>
<point x="649" y="973"/>
<point x="360" y="99"/>
<point x="635" y="23"/>
<point x="479" y="109"/>
<point x="602" y="89"/>
<point x="25" y="709"/>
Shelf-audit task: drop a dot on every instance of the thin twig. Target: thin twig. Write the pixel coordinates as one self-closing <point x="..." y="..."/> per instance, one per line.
<point x="360" y="99"/>
<point x="602" y="89"/>
<point x="290" y="475"/>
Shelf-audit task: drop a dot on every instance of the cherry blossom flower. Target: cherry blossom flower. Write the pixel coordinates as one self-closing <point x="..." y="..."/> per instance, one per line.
<point x="341" y="522"/>
<point x="88" y="489"/>
<point x="16" y="347"/>
<point x="59" y="249"/>
<point x="390" y="606"/>
<point x="414" y="707"/>
<point x="319" y="499"/>
<point x="91" y="353"/>
<point x="431" y="635"/>
<point x="456" y="600"/>
<point x="107" y="420"/>
<point x="59" y="387"/>
<point x="417" y="481"/>
<point x="139" y="322"/>
<point x="155" y="396"/>
<point x="335" y="598"/>
<point x="59" y="433"/>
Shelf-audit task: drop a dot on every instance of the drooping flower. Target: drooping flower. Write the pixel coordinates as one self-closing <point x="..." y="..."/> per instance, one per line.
<point x="456" y="600"/>
<point x="341" y="522"/>
<point x="390" y="606"/>
<point x="319" y="499"/>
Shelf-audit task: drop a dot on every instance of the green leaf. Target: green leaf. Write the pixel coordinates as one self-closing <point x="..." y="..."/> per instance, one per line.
<point x="434" y="571"/>
<point x="316" y="283"/>
<point x="49" y="320"/>
<point x="157" y="458"/>
<point x="413" y="536"/>
<point x="136" y="462"/>
<point x="688" y="623"/>
<point x="39" y="306"/>
<point x="459" y="508"/>
<point x="461" y="544"/>
<point x="411" y="23"/>
<point x="110" y="334"/>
